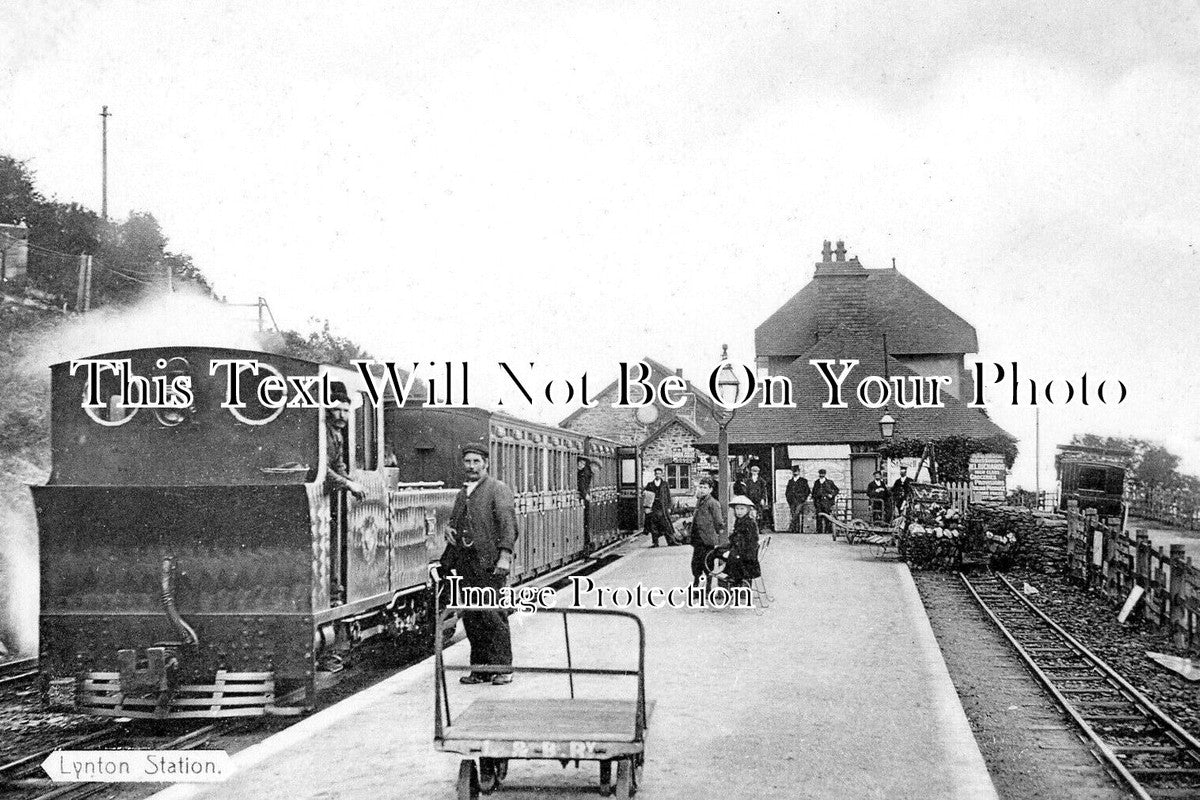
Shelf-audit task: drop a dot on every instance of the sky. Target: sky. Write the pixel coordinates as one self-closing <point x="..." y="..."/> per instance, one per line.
<point x="581" y="184"/>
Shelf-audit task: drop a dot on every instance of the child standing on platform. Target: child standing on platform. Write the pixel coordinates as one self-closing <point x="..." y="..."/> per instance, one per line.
<point x="742" y="563"/>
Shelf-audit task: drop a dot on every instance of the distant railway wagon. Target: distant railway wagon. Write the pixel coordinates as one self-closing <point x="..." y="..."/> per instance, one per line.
<point x="193" y="562"/>
<point x="1093" y="476"/>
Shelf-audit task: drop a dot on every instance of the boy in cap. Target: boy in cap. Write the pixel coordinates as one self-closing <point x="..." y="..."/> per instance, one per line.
<point x="708" y="527"/>
<point x="483" y="532"/>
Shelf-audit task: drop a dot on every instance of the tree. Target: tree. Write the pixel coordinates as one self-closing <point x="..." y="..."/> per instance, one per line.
<point x="322" y="346"/>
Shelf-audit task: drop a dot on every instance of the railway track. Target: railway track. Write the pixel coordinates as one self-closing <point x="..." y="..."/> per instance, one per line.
<point x="24" y="777"/>
<point x="1141" y="746"/>
<point x="17" y="672"/>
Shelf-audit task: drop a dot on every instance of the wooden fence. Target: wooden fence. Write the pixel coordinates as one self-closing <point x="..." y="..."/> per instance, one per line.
<point x="1110" y="562"/>
<point x="1177" y="509"/>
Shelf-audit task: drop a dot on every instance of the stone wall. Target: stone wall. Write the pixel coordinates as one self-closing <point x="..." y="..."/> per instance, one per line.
<point x="662" y="451"/>
<point x="1041" y="536"/>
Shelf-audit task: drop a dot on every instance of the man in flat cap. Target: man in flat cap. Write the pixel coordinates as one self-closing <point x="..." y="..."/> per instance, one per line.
<point x="824" y="492"/>
<point x="338" y="482"/>
<point x="483" y="533"/>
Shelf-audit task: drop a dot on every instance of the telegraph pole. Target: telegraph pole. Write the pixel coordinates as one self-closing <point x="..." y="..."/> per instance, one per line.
<point x="104" y="115"/>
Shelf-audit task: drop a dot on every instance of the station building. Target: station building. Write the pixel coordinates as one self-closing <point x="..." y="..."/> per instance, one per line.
<point x="893" y="328"/>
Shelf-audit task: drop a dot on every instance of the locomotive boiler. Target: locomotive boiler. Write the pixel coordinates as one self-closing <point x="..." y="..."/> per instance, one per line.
<point x="195" y="564"/>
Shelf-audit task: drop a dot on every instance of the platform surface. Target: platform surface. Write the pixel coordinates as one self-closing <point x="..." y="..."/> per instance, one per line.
<point x="837" y="690"/>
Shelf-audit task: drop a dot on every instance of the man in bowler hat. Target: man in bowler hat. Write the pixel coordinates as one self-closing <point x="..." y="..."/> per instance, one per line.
<point x="796" y="495"/>
<point x="483" y="532"/>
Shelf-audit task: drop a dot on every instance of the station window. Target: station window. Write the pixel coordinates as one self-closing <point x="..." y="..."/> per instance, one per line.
<point x="679" y="477"/>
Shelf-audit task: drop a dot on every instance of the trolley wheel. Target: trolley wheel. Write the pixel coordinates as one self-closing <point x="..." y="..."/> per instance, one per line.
<point x="468" y="780"/>
<point x="491" y="772"/>
<point x="606" y="785"/>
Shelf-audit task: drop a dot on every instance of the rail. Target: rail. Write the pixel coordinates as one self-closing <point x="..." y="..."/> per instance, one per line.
<point x="1147" y="750"/>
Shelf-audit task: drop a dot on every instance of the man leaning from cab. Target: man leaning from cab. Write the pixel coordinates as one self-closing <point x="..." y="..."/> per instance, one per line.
<point x="483" y="532"/>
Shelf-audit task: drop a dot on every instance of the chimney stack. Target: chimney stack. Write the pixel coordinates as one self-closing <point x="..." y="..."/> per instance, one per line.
<point x="841" y="293"/>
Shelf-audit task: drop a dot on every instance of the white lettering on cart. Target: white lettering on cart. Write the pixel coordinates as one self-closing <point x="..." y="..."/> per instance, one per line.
<point x="520" y="749"/>
<point x="549" y="749"/>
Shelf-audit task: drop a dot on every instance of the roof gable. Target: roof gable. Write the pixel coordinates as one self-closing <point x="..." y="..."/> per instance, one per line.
<point x="915" y="322"/>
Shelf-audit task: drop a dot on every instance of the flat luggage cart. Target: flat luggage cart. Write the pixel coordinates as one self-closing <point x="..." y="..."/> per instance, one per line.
<point x="881" y="538"/>
<point x="495" y="731"/>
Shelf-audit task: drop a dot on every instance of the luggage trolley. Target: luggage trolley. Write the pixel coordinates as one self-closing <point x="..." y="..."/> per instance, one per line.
<point x="561" y="729"/>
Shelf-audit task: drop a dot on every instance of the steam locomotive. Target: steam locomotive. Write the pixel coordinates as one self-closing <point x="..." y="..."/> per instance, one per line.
<point x="193" y="562"/>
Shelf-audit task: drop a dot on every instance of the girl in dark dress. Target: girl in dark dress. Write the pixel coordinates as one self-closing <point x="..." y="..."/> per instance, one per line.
<point x="742" y="565"/>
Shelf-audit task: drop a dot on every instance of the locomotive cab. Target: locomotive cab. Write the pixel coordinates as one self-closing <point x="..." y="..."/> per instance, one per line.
<point x="187" y="530"/>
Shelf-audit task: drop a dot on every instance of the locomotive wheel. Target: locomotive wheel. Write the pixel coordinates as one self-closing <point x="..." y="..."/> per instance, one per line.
<point x="606" y="786"/>
<point x="468" y="780"/>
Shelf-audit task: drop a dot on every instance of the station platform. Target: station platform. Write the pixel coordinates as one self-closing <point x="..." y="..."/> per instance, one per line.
<point x="837" y="689"/>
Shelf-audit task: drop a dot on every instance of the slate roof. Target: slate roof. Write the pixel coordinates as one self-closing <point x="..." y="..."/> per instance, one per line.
<point x="809" y="423"/>
<point x="914" y="321"/>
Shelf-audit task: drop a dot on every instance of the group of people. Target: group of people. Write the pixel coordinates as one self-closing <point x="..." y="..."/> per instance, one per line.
<point x="885" y="502"/>
<point x="708" y="536"/>
<point x="823" y="492"/>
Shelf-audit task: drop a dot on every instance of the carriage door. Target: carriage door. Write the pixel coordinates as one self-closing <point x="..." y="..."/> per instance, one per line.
<point x="629" y="501"/>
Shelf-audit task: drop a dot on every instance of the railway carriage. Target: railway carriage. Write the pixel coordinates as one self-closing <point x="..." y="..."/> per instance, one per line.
<point x="193" y="562"/>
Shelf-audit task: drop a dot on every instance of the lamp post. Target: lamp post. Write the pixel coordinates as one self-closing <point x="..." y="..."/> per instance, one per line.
<point x="727" y="388"/>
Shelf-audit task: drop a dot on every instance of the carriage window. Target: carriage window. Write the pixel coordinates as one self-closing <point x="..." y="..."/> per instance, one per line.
<point x="366" y="436"/>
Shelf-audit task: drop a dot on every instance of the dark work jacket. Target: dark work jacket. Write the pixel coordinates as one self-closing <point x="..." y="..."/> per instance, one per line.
<point x="877" y="490"/>
<point x="901" y="489"/>
<point x="486" y="523"/>
<point x="823" y="493"/>
<point x="708" y="523"/>
<point x="758" y="492"/>
<point x="797" y="491"/>
<point x="743" y="542"/>
<point x="662" y="497"/>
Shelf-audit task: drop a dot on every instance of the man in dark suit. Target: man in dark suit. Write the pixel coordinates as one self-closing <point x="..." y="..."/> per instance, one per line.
<point x="759" y="492"/>
<point x="483" y="532"/>
<point x="879" y="497"/>
<point x="583" y="485"/>
<point x="796" y="495"/>
<point x="824" y="492"/>
<point x="658" y="517"/>
<point x="901" y="491"/>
